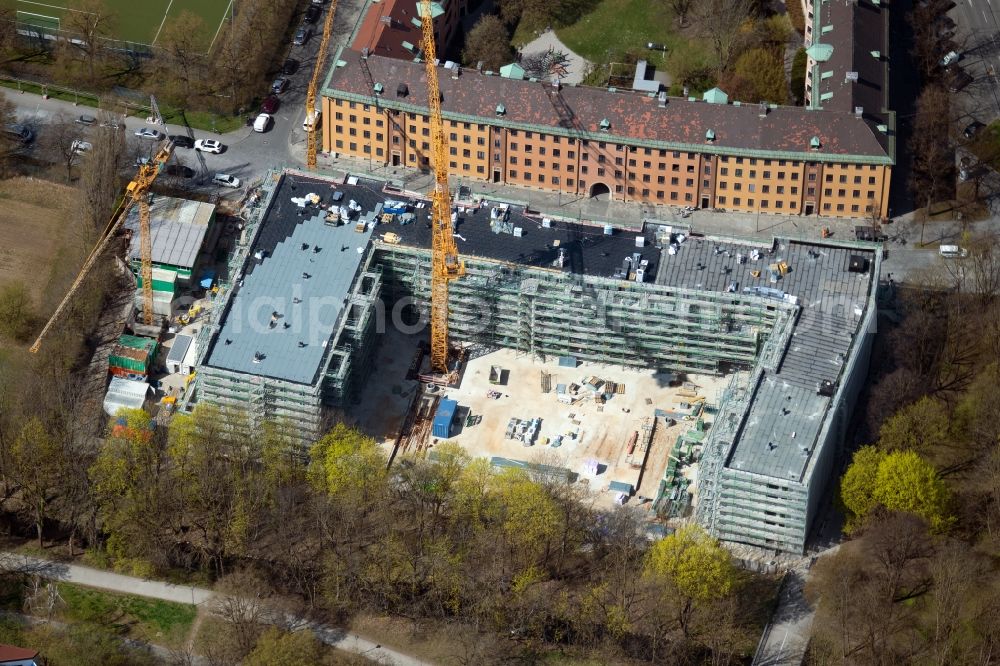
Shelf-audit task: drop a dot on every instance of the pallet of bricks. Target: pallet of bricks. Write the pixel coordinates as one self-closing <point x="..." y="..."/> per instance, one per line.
<point x="132" y="357"/>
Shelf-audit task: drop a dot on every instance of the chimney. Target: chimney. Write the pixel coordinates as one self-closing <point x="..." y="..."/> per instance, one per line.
<point x="662" y="98"/>
<point x="555" y="82"/>
<point x="859" y="111"/>
<point x="455" y="71"/>
<point x="763" y="110"/>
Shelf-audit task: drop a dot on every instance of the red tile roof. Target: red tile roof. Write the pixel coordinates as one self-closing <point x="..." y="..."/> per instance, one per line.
<point x="14" y="653"/>
<point x="635" y="118"/>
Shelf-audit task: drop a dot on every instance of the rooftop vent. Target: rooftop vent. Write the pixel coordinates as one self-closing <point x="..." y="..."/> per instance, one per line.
<point x="605" y="125"/>
<point x="851" y="77"/>
<point x="877" y="55"/>
<point x="710" y="135"/>
<point x="859" y="111"/>
<point x="883" y="128"/>
<point x="379" y="88"/>
<point x="402" y="90"/>
<point x="814" y="143"/>
<point x="501" y="109"/>
<point x="662" y="98"/>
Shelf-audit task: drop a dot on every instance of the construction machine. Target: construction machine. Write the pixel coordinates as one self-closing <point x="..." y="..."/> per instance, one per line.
<point x="136" y="193"/>
<point x="445" y="263"/>
<point x="312" y="114"/>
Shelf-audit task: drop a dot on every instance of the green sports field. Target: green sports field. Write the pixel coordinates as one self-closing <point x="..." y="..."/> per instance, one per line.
<point x="139" y="22"/>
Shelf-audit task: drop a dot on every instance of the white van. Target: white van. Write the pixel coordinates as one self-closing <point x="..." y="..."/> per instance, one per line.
<point x="950" y="251"/>
<point x="311" y="118"/>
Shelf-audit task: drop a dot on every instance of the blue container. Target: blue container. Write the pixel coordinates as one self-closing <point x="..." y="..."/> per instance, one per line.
<point x="443" y="419"/>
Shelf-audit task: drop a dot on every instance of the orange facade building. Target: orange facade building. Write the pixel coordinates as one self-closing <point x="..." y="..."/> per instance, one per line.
<point x="634" y="146"/>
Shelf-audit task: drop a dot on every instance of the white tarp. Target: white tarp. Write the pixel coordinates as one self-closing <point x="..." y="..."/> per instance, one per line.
<point x="124" y="393"/>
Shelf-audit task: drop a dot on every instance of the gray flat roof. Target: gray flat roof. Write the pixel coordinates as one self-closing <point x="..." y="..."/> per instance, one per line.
<point x="300" y="268"/>
<point x="179" y="348"/>
<point x="832" y="299"/>
<point x="177" y="228"/>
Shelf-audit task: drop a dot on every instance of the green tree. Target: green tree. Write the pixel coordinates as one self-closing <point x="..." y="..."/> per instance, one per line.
<point x="693" y="569"/>
<point x="40" y="467"/>
<point x="530" y="519"/>
<point x="923" y="426"/>
<point x="345" y="460"/>
<point x="488" y="42"/>
<point x="17" y="314"/>
<point x="899" y="481"/>
<point x="764" y="73"/>
<point x="278" y="647"/>
<point x="798" y="82"/>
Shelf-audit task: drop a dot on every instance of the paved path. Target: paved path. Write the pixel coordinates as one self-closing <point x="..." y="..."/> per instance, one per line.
<point x="106" y="580"/>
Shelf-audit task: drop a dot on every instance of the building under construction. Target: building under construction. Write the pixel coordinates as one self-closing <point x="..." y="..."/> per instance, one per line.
<point x="322" y="264"/>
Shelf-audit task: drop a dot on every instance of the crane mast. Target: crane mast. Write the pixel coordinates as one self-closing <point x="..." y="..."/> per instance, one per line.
<point x="314" y="85"/>
<point x="136" y="193"/>
<point x="445" y="264"/>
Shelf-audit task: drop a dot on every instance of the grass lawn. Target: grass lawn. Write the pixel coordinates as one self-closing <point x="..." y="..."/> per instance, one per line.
<point x="136" y="22"/>
<point x="150" y="620"/>
<point x="616" y="27"/>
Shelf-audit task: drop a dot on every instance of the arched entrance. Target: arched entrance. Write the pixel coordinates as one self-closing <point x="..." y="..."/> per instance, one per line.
<point x="600" y="191"/>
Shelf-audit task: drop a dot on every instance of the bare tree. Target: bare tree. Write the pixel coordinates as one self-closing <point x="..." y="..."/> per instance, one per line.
<point x="91" y="23"/>
<point x="60" y="141"/>
<point x="101" y="181"/>
<point x="180" y="65"/>
<point x="681" y="9"/>
<point x="719" y="21"/>
<point x="933" y="164"/>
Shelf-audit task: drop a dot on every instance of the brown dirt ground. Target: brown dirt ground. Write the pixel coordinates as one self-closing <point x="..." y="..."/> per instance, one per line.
<point x="33" y="228"/>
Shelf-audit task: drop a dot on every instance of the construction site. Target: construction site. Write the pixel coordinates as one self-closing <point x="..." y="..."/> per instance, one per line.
<point x="704" y="378"/>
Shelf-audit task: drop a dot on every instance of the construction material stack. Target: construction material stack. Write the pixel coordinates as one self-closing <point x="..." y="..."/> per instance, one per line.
<point x="132" y="358"/>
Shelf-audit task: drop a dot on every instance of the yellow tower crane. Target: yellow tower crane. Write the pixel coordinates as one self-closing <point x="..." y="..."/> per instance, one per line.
<point x="445" y="264"/>
<point x="312" y="115"/>
<point x="136" y="193"/>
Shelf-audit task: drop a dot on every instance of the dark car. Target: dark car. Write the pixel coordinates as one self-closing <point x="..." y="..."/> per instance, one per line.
<point x="290" y="66"/>
<point x="179" y="170"/>
<point x="302" y="35"/>
<point x="958" y="78"/>
<point x="313" y="13"/>
<point x="182" y="141"/>
<point x="86" y="120"/>
<point x="972" y="129"/>
<point x="270" y="104"/>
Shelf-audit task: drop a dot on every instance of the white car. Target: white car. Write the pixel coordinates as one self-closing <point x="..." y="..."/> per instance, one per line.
<point x="208" y="146"/>
<point x="226" y="180"/>
<point x="80" y="146"/>
<point x="147" y="133"/>
<point x="262" y="122"/>
<point x="311" y="119"/>
<point x="950" y="57"/>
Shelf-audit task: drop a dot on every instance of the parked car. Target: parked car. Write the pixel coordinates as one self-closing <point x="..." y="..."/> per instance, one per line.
<point x="270" y="104"/>
<point x="20" y="132"/>
<point x="262" y="123"/>
<point x="302" y="35"/>
<point x="80" y="146"/>
<point x="279" y="85"/>
<point x="310" y="119"/>
<point x="208" y="146"/>
<point x="182" y="141"/>
<point x="226" y="180"/>
<point x="958" y="78"/>
<point x="148" y="133"/>
<point x="950" y="57"/>
<point x="318" y="2"/>
<point x="86" y="120"/>
<point x="290" y="66"/>
<point x="179" y="170"/>
<point x="313" y="13"/>
<point x="141" y="161"/>
<point x="972" y="129"/>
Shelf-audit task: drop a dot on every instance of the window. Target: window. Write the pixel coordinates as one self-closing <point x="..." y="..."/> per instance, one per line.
<point x="570" y="168"/>
<point x="780" y="189"/>
<point x="619" y="188"/>
<point x="826" y="206"/>
<point x="750" y="202"/>
<point x="338" y="115"/>
<point x="673" y="196"/>
<point x="569" y="182"/>
<point x="763" y="204"/>
<point x="811" y="191"/>
<point x="753" y="173"/>
<point x="513" y="160"/>
<point x="378" y="136"/>
<point x="480" y="155"/>
<point x="541" y="150"/>
<point x="480" y="169"/>
<point x="722" y="200"/>
<point x="425" y="146"/>
<point x="704" y="183"/>
<point x="795" y="190"/>
<point x="353" y="118"/>
<point x="571" y="154"/>
<point x="871" y="180"/>
<point x="752" y="187"/>
<point x="528" y="135"/>
<point x="675" y="167"/>
<point x="555" y="180"/>
<point x="739" y="160"/>
<point x="689" y="182"/>
<point x="781" y="175"/>
<point x="618" y="161"/>
<point x="737" y="186"/>
<point x="779" y="203"/>
<point x="829" y="177"/>
<point x="645" y="178"/>
<point x="647" y="164"/>
<point x="854" y="208"/>
<point x="584" y="157"/>
<point x="708" y="171"/>
<point x="795" y="175"/>
<point x="673" y="181"/>
<point x="690" y="168"/>
<point x="425" y="131"/>
<point x="600" y="171"/>
<point x="527" y="162"/>
<point x="676" y="154"/>
<point x="753" y="162"/>
<point x="541" y="178"/>
<point x="841" y="193"/>
<point x="631" y="190"/>
<point x="767" y="174"/>
<point x="583" y="169"/>
<point x="340" y="144"/>
<point x="660" y="180"/>
<point x="765" y="188"/>
<point x="600" y="159"/>
<point x="513" y="146"/>
<point x="645" y="192"/>
<point x="466" y="152"/>
<point x="352" y="131"/>
<point x="496" y="143"/>
<point x="840" y="207"/>
<point x="555" y="152"/>
<point x="366" y="121"/>
<point x="843" y="179"/>
<point x="739" y="173"/>
<point x="723" y="185"/>
<point x="618" y="173"/>
<point x="480" y="141"/>
<point x="452" y="150"/>
<point x="857" y="180"/>
<point x="354" y="147"/>
<point x="812" y="177"/>
<point x="856" y="193"/>
<point x="555" y="166"/>
<point x="724" y="171"/>
<point x="871" y="194"/>
<point x="737" y="201"/>
<point x="453" y="165"/>
<point x="828" y="192"/>
<point x="513" y="174"/>
<point x="367" y="134"/>
<point x="395" y="140"/>
<point x="528" y="147"/>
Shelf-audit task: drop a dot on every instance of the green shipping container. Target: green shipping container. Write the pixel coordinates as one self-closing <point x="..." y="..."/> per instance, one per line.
<point x="133" y="354"/>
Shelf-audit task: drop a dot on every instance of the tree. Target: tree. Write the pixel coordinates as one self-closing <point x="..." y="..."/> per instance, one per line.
<point x="488" y="42"/>
<point x="347" y="461"/>
<point x="762" y="74"/>
<point x="720" y="21"/>
<point x="798" y="81"/>
<point x="180" y="63"/>
<point x="17" y="313"/>
<point x="923" y="426"/>
<point x="693" y="568"/>
<point x="101" y="181"/>
<point x="92" y="23"/>
<point x="680" y="10"/>
<point x="39" y="467"/>
<point x="9" y="145"/>
<point x="277" y="647"/>
<point x="58" y="142"/>
<point x="933" y="162"/>
<point x="899" y="481"/>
